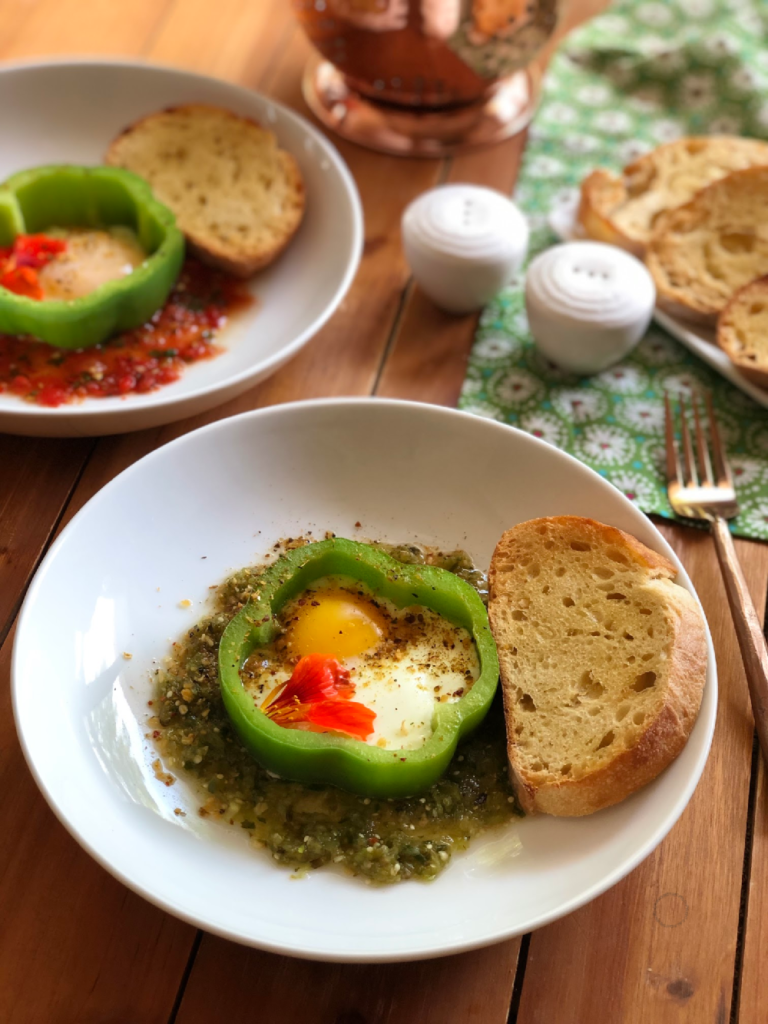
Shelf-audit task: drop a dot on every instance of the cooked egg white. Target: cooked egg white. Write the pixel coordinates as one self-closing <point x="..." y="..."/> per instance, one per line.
<point x="91" y="259"/>
<point x="403" y="662"/>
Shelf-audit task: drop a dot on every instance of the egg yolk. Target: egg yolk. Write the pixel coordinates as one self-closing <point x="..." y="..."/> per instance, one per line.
<point x="335" y="623"/>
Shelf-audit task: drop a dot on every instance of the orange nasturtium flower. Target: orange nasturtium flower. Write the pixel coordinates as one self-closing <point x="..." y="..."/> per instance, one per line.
<point x="317" y="697"/>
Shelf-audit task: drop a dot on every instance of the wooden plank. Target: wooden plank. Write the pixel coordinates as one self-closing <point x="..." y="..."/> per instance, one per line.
<point x="236" y="39"/>
<point x="13" y="15"/>
<point x="233" y="983"/>
<point x="37" y="479"/>
<point x="75" y="944"/>
<point x="53" y="27"/>
<point x="752" y="994"/>
<point x="669" y="930"/>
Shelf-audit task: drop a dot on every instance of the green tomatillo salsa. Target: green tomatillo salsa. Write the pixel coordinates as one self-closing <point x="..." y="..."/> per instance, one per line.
<point x="307" y="824"/>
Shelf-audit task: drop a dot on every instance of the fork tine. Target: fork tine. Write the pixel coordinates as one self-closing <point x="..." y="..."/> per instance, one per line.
<point x="673" y="467"/>
<point x="722" y="469"/>
<point x="689" y="463"/>
<point x="701" y="445"/>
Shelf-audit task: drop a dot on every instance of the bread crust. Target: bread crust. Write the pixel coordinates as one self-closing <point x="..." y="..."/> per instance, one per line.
<point x="205" y="248"/>
<point x="684" y="290"/>
<point x="684" y="311"/>
<point x="650" y="180"/>
<point x="662" y="738"/>
<point x="676" y="300"/>
<point x="602" y="192"/>
<point x="726" y="330"/>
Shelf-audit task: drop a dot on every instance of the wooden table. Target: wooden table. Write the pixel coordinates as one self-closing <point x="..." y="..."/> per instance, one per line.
<point x="681" y="939"/>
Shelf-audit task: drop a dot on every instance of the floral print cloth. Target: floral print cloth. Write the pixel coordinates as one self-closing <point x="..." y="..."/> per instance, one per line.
<point x="638" y="75"/>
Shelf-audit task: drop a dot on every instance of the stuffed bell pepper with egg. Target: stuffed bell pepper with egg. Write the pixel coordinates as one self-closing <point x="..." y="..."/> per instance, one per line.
<point x="340" y="644"/>
<point x="85" y="252"/>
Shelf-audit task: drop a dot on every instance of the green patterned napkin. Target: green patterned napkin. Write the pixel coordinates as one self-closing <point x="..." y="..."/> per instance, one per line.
<point x="641" y="74"/>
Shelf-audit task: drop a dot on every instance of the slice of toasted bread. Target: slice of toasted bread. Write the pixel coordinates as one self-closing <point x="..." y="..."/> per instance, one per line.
<point x="704" y="251"/>
<point x="603" y="195"/>
<point x="237" y="197"/>
<point x="623" y="209"/>
<point x="603" y="662"/>
<point x="742" y="331"/>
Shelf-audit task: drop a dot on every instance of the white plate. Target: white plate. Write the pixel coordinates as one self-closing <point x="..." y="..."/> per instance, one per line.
<point x="113" y="581"/>
<point x="69" y="112"/>
<point x="699" y="340"/>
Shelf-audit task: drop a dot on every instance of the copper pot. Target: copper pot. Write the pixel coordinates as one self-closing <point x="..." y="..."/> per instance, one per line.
<point x="425" y="77"/>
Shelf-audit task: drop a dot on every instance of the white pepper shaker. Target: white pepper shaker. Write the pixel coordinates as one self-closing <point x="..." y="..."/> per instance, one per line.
<point x="463" y="244"/>
<point x="588" y="304"/>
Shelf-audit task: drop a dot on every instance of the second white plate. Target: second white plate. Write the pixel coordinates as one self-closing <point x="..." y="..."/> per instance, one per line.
<point x="69" y="112"/>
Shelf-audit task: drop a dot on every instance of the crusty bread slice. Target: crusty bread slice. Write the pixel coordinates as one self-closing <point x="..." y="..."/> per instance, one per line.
<point x="237" y="197"/>
<point x="603" y="196"/>
<point x="622" y="210"/>
<point x="603" y="662"/>
<point x="742" y="331"/>
<point x="704" y="251"/>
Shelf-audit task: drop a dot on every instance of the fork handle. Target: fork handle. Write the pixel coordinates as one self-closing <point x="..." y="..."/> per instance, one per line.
<point x="748" y="629"/>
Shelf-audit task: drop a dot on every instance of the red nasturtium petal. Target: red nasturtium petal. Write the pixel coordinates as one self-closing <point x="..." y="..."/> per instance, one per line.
<point x="22" y="281"/>
<point x="316" y="677"/>
<point x="318" y="696"/>
<point x="349" y="716"/>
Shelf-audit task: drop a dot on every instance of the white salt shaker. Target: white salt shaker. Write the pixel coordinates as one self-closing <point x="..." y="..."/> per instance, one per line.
<point x="463" y="243"/>
<point x="588" y="304"/>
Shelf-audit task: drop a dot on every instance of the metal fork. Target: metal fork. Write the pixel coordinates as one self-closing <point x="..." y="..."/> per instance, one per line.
<point x="697" y="492"/>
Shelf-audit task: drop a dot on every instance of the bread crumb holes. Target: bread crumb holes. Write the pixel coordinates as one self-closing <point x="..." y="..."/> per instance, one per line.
<point x="644" y="682"/>
<point x="607" y="740"/>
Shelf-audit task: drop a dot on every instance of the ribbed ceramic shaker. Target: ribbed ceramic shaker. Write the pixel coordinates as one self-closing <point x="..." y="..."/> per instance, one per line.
<point x="588" y="304"/>
<point x="463" y="243"/>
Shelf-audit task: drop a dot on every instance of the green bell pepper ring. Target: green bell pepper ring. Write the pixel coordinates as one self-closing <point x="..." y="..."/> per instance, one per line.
<point x="36" y="200"/>
<point x="340" y="760"/>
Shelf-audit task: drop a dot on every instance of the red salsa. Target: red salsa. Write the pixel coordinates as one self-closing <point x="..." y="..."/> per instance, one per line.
<point x="182" y="332"/>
